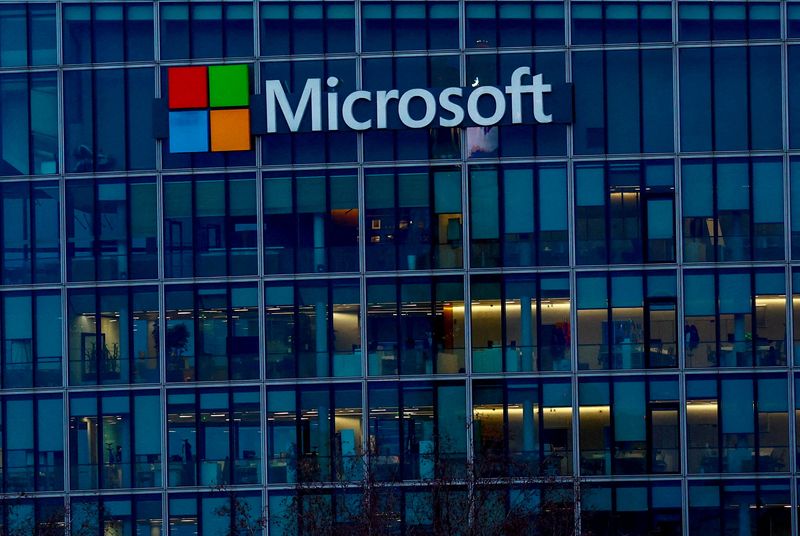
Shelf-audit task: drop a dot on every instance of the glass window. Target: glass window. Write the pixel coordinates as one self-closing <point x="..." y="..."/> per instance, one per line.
<point x="414" y="218"/>
<point x="27" y="34"/>
<point x="307" y="28"/>
<point x="31" y="438"/>
<point x="522" y="427"/>
<point x="111" y="230"/>
<point x="208" y="30"/>
<point x="629" y="425"/>
<point x="31" y="339"/>
<point x="733" y="210"/>
<point x="728" y="98"/>
<point x="518" y="215"/>
<point x="113" y="335"/>
<point x="415" y="326"/>
<point x="107" y="451"/>
<point x="722" y="332"/>
<point x="409" y="26"/>
<point x="627" y="320"/>
<point x="107" y="33"/>
<point x="416" y="429"/>
<point x="623" y="22"/>
<point x="739" y="505"/>
<point x="210" y="225"/>
<point x="213" y="437"/>
<point x="313" y="329"/>
<point x="311" y="222"/>
<point x="28" y="124"/>
<point x="624" y="212"/>
<point x="514" y="24"/>
<point x="104" y="127"/>
<point x="520" y="323"/>
<point x="623" y="101"/>
<point x="212" y="332"/>
<point x="737" y="424"/>
<point x="314" y="434"/>
<point x="29" y="232"/>
<point x="630" y="508"/>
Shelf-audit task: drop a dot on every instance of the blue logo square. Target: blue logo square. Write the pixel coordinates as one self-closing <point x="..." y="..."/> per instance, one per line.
<point x="188" y="131"/>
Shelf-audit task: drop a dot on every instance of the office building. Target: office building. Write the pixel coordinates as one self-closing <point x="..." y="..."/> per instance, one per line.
<point x="195" y="316"/>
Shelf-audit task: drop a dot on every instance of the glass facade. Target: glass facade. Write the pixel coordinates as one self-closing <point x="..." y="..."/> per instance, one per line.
<point x="612" y="302"/>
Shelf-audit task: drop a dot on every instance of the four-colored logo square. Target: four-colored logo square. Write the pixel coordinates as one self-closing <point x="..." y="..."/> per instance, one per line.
<point x="208" y="108"/>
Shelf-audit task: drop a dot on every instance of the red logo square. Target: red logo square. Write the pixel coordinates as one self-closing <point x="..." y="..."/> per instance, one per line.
<point x="188" y="87"/>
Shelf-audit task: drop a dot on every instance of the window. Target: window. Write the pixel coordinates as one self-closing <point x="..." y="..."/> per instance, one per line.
<point x="113" y="440"/>
<point x="737" y="424"/>
<point x="518" y="215"/>
<point x="522" y="427"/>
<point x="314" y="434"/>
<point x="409" y="26"/>
<point x="730" y="98"/>
<point x="514" y="24"/>
<point x="213" y="437"/>
<point x="621" y="22"/>
<point x="207" y="30"/>
<point x="28" y="123"/>
<point x="735" y="318"/>
<point x="729" y="21"/>
<point x="416" y="429"/>
<point x="415" y="326"/>
<point x="732" y="210"/>
<point x="630" y="508"/>
<point x="212" y="332"/>
<point x="113" y="335"/>
<point x="307" y="28"/>
<point x="214" y="509"/>
<point x="413" y="218"/>
<point x="27" y="35"/>
<point x="210" y="225"/>
<point x="116" y="514"/>
<point x="313" y="329"/>
<point x="629" y="425"/>
<point x="627" y="320"/>
<point x="624" y="212"/>
<point x="623" y="101"/>
<point x="738" y="505"/>
<point x="105" y="129"/>
<point x="520" y="323"/>
<point x="31" y="339"/>
<point x="107" y="33"/>
<point x="111" y="229"/>
<point x="29" y="232"/>
<point x="31" y="438"/>
<point x="311" y="222"/>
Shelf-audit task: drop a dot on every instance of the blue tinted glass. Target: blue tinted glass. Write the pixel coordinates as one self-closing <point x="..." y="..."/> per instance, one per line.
<point x="695" y="21"/>
<point x="13" y="27"/>
<point x="108" y="35"/>
<point x="587" y="23"/>
<point x="695" y="105"/>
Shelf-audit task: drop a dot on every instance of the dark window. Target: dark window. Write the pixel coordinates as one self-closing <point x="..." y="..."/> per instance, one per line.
<point x="311" y="222"/>
<point x="28" y="124"/>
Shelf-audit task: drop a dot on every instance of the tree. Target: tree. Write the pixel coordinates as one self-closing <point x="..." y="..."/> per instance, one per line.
<point x="243" y="520"/>
<point x="461" y="498"/>
<point x="27" y="516"/>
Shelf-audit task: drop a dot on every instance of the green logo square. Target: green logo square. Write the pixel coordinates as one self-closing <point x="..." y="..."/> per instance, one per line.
<point x="228" y="85"/>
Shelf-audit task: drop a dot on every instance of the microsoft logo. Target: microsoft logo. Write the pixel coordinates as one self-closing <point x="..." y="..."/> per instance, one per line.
<point x="209" y="108"/>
